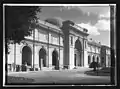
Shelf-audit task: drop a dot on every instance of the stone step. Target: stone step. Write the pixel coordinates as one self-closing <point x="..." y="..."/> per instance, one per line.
<point x="46" y="69"/>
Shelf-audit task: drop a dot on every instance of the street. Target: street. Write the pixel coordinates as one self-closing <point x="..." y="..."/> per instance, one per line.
<point x="74" y="76"/>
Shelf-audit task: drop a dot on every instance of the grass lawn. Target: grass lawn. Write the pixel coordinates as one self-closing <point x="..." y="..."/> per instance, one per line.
<point x="11" y="79"/>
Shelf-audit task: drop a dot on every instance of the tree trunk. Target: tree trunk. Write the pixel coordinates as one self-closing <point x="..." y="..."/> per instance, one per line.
<point x="94" y="68"/>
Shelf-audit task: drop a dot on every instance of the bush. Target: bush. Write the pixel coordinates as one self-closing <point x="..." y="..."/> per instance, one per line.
<point x="57" y="67"/>
<point x="94" y="65"/>
<point x="36" y="69"/>
<point x="31" y="69"/>
<point x="17" y="68"/>
<point x="65" y="66"/>
<point x="24" y="68"/>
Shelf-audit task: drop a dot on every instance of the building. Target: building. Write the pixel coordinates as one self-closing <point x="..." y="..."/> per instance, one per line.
<point x="55" y="44"/>
<point x="94" y="51"/>
<point x="105" y="56"/>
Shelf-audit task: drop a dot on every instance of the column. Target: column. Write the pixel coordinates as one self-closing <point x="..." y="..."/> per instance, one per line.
<point x="59" y="50"/>
<point x="36" y="63"/>
<point x="41" y="63"/>
<point x="66" y="51"/>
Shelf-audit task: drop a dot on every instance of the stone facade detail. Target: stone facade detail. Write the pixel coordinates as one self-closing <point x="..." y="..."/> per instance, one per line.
<point x="52" y="46"/>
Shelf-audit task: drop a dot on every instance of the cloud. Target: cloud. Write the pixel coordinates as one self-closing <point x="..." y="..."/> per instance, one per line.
<point x="103" y="25"/>
<point x="91" y="29"/>
<point x="88" y="13"/>
<point x="105" y="15"/>
<point x="66" y="8"/>
<point x="59" y="18"/>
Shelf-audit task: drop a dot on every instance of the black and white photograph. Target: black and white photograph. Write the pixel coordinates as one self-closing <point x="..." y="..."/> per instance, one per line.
<point x="59" y="44"/>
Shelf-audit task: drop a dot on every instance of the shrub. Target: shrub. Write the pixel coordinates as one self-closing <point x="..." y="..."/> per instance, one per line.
<point x="31" y="69"/>
<point x="24" y="68"/>
<point x="17" y="68"/>
<point x="36" y="69"/>
<point x="94" y="65"/>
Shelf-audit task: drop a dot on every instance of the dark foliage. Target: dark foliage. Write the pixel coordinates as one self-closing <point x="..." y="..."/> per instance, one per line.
<point x="19" y="22"/>
<point x="94" y="65"/>
<point x="24" y="68"/>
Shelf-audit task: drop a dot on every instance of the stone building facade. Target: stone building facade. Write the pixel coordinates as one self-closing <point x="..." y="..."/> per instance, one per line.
<point x="105" y="56"/>
<point x="52" y="46"/>
<point x="94" y="51"/>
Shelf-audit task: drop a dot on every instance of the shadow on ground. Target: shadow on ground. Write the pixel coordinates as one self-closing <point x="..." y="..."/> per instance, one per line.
<point x="101" y="72"/>
<point x="12" y="79"/>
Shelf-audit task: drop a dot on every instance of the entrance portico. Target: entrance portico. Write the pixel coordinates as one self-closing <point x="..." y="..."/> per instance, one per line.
<point x="75" y="45"/>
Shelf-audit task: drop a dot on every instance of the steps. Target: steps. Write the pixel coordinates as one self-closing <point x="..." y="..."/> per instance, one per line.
<point x="46" y="69"/>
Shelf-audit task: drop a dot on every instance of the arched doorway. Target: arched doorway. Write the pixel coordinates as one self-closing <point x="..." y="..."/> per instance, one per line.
<point x="78" y="53"/>
<point x="27" y="56"/>
<point x="93" y="59"/>
<point x="89" y="59"/>
<point x="55" y="58"/>
<point x="97" y="59"/>
<point x="42" y="58"/>
<point x="75" y="59"/>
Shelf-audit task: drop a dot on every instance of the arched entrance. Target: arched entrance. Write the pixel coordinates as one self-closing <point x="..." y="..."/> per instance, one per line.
<point x="27" y="56"/>
<point x="89" y="59"/>
<point x="93" y="59"/>
<point x="78" y="53"/>
<point x="42" y="58"/>
<point x="97" y="59"/>
<point x="55" y="58"/>
<point x="75" y="60"/>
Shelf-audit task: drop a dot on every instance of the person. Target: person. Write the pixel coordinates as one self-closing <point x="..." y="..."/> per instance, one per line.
<point x="25" y="66"/>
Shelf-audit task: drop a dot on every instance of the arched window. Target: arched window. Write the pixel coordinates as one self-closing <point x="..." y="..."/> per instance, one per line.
<point x="89" y="59"/>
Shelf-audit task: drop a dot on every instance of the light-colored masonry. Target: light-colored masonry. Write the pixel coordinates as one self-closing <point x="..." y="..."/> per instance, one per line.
<point x="49" y="46"/>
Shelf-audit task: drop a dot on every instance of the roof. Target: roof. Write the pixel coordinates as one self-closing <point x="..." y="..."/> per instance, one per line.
<point x="49" y="25"/>
<point x="75" y="26"/>
<point x="93" y="42"/>
<point x="105" y="46"/>
<point x="55" y="21"/>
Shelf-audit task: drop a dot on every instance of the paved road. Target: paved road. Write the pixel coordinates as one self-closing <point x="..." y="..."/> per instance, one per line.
<point x="66" y="76"/>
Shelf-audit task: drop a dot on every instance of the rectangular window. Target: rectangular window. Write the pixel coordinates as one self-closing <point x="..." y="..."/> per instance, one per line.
<point x="46" y="37"/>
<point x="71" y="40"/>
<point x="51" y="39"/>
<point x="85" y="44"/>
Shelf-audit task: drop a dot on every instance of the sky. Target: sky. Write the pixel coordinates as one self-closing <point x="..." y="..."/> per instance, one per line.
<point x="94" y="18"/>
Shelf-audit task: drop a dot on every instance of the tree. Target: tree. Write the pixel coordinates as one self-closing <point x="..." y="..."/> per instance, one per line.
<point x="94" y="65"/>
<point x="19" y="22"/>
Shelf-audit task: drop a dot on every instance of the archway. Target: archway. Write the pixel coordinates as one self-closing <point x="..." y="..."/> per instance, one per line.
<point x="27" y="56"/>
<point x="75" y="59"/>
<point x="93" y="58"/>
<point x="42" y="58"/>
<point x="97" y="59"/>
<point x="78" y="53"/>
<point x="89" y="59"/>
<point x="55" y="58"/>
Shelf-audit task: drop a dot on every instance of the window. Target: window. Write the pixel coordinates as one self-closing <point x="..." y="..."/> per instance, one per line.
<point x="46" y="37"/>
<point x="71" y="40"/>
<point x="85" y="44"/>
<point x="51" y="39"/>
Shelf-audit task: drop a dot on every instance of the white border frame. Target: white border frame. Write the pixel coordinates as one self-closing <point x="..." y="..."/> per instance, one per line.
<point x="42" y="5"/>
